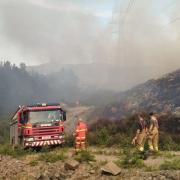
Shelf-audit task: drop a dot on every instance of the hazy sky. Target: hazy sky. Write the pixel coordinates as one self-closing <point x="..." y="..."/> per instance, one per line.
<point x="126" y="32"/>
<point x="42" y="30"/>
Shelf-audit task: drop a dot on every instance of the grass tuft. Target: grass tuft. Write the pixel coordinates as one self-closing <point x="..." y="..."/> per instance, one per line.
<point x="171" y="165"/>
<point x="131" y="160"/>
<point x="52" y="157"/>
<point x="33" y="163"/>
<point x="84" y="156"/>
<point x="16" y="152"/>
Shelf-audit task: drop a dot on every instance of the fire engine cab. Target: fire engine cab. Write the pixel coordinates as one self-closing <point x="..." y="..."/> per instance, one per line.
<point x="38" y="125"/>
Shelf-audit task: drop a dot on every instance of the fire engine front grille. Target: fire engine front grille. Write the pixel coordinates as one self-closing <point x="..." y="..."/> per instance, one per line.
<point x="45" y="131"/>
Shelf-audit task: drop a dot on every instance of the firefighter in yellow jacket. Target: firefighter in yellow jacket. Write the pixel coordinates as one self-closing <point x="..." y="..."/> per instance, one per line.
<point x="153" y="133"/>
<point x="141" y="134"/>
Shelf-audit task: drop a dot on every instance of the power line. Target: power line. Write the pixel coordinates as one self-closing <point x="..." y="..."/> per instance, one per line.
<point x="123" y="14"/>
<point x="122" y="25"/>
<point x="130" y="5"/>
<point x="170" y="22"/>
<point x="167" y="8"/>
<point x="170" y="5"/>
<point x="173" y="21"/>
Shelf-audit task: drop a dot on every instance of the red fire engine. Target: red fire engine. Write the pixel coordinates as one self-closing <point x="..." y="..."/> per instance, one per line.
<point x="38" y="125"/>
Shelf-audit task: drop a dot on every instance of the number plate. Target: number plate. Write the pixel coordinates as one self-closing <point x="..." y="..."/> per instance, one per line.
<point x="46" y="137"/>
<point x="44" y="125"/>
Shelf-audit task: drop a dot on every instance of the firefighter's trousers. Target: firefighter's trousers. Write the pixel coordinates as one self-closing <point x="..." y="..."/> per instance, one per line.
<point x="80" y="144"/>
<point x="153" y="139"/>
<point x="141" y="138"/>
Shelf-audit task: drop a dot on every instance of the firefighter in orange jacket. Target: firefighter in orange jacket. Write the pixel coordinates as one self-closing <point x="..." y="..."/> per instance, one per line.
<point x="80" y="135"/>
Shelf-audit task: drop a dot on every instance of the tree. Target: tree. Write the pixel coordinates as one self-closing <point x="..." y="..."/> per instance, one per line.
<point x="22" y="66"/>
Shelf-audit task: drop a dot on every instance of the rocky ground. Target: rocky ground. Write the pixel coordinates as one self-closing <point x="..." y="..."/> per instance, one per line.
<point x="12" y="169"/>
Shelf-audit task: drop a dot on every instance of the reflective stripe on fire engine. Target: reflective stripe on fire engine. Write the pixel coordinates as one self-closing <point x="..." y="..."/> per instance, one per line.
<point x="43" y="143"/>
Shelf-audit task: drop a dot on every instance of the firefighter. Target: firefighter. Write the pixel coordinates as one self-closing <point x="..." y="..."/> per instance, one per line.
<point x="153" y="133"/>
<point x="141" y="134"/>
<point x="80" y="135"/>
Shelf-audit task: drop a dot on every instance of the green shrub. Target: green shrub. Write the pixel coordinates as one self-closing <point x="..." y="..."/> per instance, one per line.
<point x="4" y="132"/>
<point x="119" y="132"/>
<point x="131" y="160"/>
<point x="167" y="154"/>
<point x="18" y="151"/>
<point x="33" y="163"/>
<point x="52" y="157"/>
<point x="7" y="149"/>
<point x="44" y="149"/>
<point x="171" y="165"/>
<point x="124" y="141"/>
<point x="69" y="139"/>
<point x="100" y="137"/>
<point x="84" y="156"/>
<point x="167" y="143"/>
<point x="92" y="138"/>
<point x="103" y="137"/>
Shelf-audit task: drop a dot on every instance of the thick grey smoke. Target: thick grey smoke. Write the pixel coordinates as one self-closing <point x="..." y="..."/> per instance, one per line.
<point x="145" y="43"/>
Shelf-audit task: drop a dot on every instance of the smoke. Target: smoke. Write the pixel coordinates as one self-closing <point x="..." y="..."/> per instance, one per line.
<point x="145" y="43"/>
<point x="148" y="36"/>
<point x="50" y="30"/>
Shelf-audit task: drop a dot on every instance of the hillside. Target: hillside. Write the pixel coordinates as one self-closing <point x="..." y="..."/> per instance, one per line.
<point x="108" y="140"/>
<point x="159" y="95"/>
<point x="104" y="76"/>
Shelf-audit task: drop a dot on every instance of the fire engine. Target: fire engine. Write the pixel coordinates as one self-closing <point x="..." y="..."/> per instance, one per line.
<point x="38" y="125"/>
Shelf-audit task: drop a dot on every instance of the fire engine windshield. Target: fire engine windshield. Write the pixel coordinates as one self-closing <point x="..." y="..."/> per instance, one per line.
<point x="45" y="116"/>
